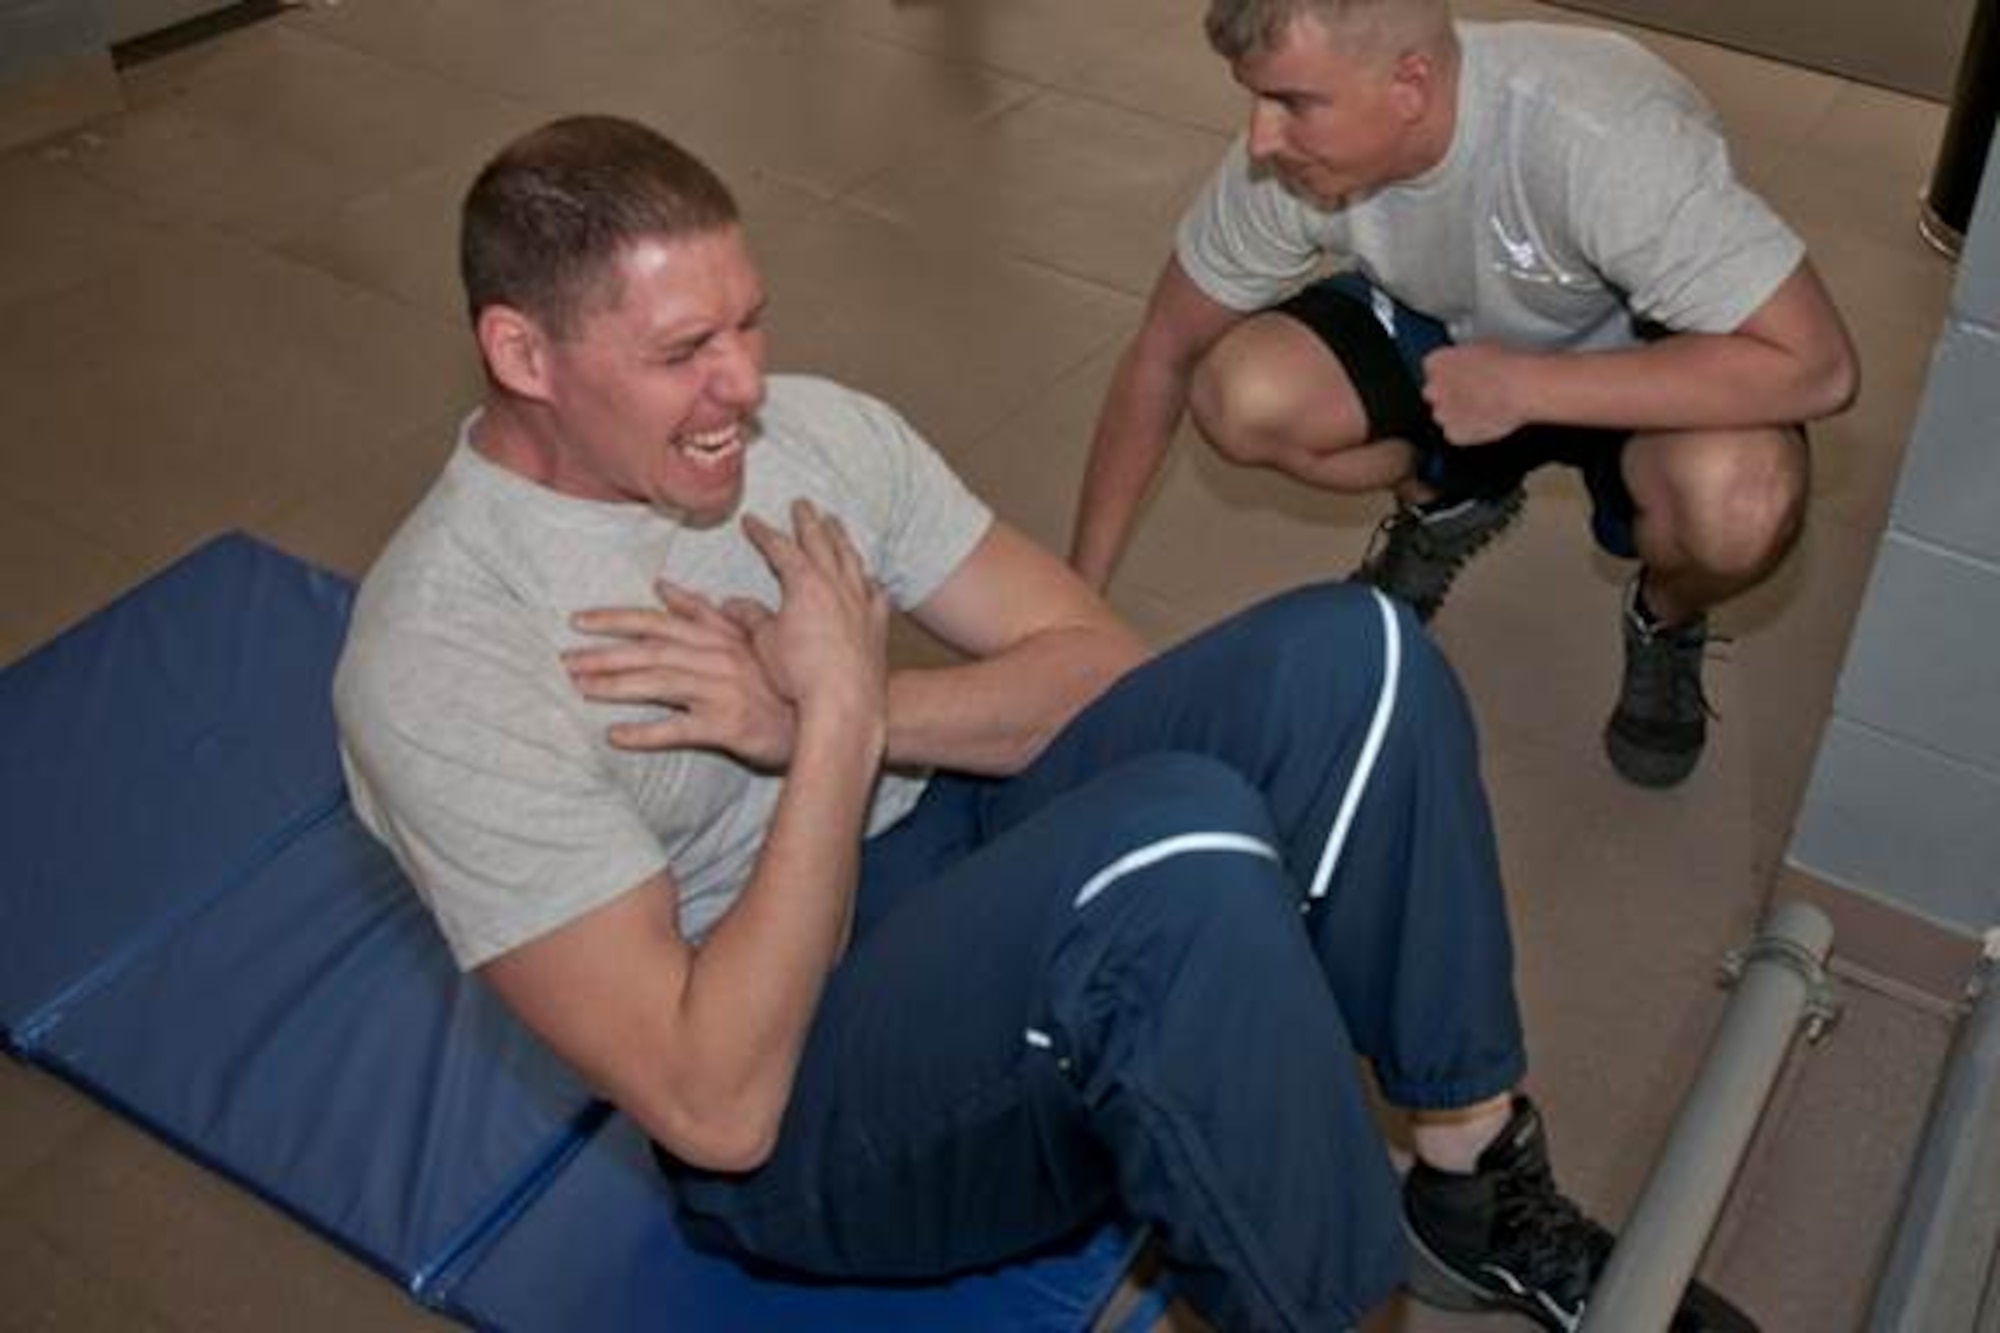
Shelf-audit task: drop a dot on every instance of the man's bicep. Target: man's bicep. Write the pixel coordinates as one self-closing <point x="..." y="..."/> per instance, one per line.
<point x="604" y="990"/>
<point x="1665" y="220"/>
<point x="1799" y="315"/>
<point x="1182" y="318"/>
<point x="1008" y="590"/>
<point x="1800" y="319"/>
<point x="1245" y="241"/>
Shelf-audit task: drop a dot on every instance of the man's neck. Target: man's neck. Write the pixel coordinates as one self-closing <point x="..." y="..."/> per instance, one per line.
<point x="1431" y="143"/>
<point x="505" y="437"/>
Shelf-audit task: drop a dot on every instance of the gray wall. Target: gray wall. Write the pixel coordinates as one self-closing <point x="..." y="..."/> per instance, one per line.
<point x="40" y="35"/>
<point x="1904" y="803"/>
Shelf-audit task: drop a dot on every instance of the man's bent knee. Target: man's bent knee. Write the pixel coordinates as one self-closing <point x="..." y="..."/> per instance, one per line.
<point x="1328" y="627"/>
<point x="1245" y="413"/>
<point x="1734" y="503"/>
<point x="1269" y="392"/>
<point x="1153" y="799"/>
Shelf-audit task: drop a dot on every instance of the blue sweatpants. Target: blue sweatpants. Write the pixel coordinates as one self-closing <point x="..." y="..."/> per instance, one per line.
<point x="1139" y="974"/>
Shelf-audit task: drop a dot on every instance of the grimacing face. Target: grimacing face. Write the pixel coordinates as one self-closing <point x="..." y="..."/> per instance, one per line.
<point x="655" y="395"/>
<point x="1330" y="122"/>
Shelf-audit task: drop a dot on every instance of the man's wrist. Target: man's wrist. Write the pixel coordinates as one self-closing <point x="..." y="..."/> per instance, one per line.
<point x="853" y="721"/>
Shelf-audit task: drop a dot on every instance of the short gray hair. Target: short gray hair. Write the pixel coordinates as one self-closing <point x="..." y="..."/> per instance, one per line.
<point x="1238" y="28"/>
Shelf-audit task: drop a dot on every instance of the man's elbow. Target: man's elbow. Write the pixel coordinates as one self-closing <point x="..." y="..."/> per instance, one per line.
<point x="733" y="1149"/>
<point x="728" y="1139"/>
<point x="1113" y="649"/>
<point x="1829" y="379"/>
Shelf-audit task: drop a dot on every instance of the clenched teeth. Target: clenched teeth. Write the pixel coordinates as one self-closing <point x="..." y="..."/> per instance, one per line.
<point x="710" y="441"/>
<point x="713" y="448"/>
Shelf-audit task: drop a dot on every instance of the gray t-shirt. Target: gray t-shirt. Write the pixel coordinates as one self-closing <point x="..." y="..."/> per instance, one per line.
<point x="1586" y="182"/>
<point x="471" y="755"/>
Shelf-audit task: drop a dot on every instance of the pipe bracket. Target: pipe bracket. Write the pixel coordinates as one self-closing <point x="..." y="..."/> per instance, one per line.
<point x="1822" y="1007"/>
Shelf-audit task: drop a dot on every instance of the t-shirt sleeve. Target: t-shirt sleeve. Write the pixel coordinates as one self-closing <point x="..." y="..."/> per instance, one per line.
<point x="1245" y="241"/>
<point x="485" y="789"/>
<point x="926" y="520"/>
<point x="1668" y="223"/>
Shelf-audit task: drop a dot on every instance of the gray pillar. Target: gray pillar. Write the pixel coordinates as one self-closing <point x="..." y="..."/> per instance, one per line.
<point x="1942" y="1265"/>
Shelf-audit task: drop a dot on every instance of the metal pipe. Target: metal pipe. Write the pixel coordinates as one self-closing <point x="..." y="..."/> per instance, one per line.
<point x="1945" y="209"/>
<point x="1780" y="980"/>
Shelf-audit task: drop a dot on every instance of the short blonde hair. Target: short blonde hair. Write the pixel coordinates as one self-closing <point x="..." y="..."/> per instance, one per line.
<point x="1239" y="28"/>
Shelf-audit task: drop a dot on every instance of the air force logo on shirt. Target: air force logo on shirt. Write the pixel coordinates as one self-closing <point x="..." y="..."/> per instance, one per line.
<point x="1519" y="258"/>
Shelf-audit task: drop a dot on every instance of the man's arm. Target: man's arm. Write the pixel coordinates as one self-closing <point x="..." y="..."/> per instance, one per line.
<point x="1042" y="646"/>
<point x="1141" y="411"/>
<point x="699" y="1046"/>
<point x="1791" y="361"/>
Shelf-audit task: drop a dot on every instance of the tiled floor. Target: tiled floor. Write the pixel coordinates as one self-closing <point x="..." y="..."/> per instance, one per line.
<point x="233" y="305"/>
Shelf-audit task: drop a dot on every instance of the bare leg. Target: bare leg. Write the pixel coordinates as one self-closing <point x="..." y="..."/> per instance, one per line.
<point x="1270" y="394"/>
<point x="1718" y="511"/>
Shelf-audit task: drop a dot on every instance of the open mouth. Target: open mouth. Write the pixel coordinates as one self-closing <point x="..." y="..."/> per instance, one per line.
<point x="712" y="448"/>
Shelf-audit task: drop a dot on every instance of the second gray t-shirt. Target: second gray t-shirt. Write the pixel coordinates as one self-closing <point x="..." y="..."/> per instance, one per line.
<point x="1586" y="182"/>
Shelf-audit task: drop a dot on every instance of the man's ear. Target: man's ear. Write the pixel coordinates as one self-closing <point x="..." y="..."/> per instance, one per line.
<point x="516" y="350"/>
<point x="1413" y="83"/>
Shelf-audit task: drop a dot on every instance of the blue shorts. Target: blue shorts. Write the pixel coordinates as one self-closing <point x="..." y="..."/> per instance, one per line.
<point x="1382" y="343"/>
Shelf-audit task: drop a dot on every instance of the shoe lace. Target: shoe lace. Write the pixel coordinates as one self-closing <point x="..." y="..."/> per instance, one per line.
<point x="1549" y="1243"/>
<point x="1407" y="554"/>
<point x="1666" y="673"/>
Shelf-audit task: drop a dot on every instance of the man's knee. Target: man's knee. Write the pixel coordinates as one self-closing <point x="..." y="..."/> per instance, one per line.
<point x="1178" y="833"/>
<point x="1241" y="407"/>
<point x="1735" y="501"/>
<point x="1270" y="393"/>
<point x="1325" y="632"/>
<point x="1154" y="798"/>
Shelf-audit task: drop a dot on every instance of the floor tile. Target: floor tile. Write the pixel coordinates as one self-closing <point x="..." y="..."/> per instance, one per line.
<point x="59" y="229"/>
<point x="1170" y="73"/>
<point x="48" y="1290"/>
<point x="177" y="1238"/>
<point x="38" y="1116"/>
<point x="264" y="143"/>
<point x="344" y="524"/>
<point x="400" y="242"/>
<point x="1809" y="1222"/>
<point x="557" y="57"/>
<point x="1030" y="467"/>
<point x="1036" y="39"/>
<point x="249" y="381"/>
<point x="811" y="104"/>
<point x="51" y="575"/>
<point x="1085" y="188"/>
<point x="956" y="339"/>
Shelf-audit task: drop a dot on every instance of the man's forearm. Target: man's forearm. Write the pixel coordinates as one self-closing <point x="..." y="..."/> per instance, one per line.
<point x="755" y="983"/>
<point x="994" y="716"/>
<point x="1141" y="412"/>
<point x="1791" y="361"/>
<point x="1686" y="381"/>
<point x="1142" y="409"/>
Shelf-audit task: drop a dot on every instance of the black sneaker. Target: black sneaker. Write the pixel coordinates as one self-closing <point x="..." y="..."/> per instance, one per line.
<point x="1505" y="1238"/>
<point x="1655" y="735"/>
<point x="1419" y="550"/>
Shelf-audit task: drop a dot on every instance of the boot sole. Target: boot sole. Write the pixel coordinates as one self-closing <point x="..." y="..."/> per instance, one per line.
<point x="1439" y="1285"/>
<point x="1644" y="766"/>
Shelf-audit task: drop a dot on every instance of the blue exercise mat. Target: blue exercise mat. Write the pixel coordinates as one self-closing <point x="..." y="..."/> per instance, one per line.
<point x="553" y="1270"/>
<point x="195" y="930"/>
<point x="152" y="756"/>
